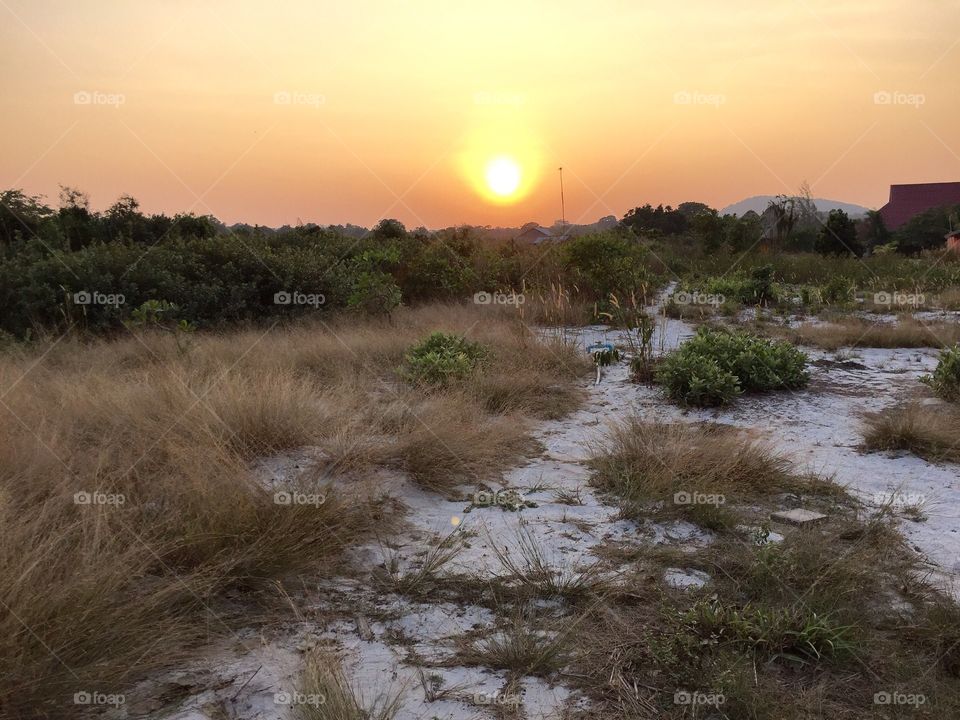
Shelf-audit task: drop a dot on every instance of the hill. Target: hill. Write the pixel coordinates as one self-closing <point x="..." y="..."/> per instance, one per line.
<point x="758" y="204"/>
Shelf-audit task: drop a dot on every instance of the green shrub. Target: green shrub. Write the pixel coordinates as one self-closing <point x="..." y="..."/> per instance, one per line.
<point x="715" y="366"/>
<point x="375" y="293"/>
<point x="945" y="380"/>
<point x="441" y="359"/>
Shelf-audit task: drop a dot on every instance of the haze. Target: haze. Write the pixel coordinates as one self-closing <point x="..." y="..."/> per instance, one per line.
<point x="349" y="112"/>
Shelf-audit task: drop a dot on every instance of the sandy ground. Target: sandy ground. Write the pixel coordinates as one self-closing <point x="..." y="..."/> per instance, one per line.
<point x="382" y="637"/>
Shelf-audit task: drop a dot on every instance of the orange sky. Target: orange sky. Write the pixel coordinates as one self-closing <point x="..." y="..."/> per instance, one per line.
<point x="353" y="111"/>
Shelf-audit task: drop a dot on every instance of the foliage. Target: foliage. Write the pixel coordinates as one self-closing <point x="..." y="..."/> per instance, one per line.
<point x="666" y="221"/>
<point x="925" y="231"/>
<point x="441" y="359"/>
<point x="945" y="380"/>
<point x="754" y="287"/>
<point x="605" y="263"/>
<point x="838" y="236"/>
<point x="714" y="366"/>
<point x="374" y="292"/>
<point x="794" y="634"/>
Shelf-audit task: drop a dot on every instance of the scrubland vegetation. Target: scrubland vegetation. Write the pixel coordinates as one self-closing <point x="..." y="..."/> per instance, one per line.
<point x="129" y="502"/>
<point x="796" y="627"/>
<point x="72" y="267"/>
<point x="716" y="366"/>
<point x="927" y="430"/>
<point x="152" y="368"/>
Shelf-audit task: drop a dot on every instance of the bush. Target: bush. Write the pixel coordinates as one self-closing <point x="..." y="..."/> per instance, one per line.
<point x="375" y="293"/>
<point x="945" y="380"/>
<point x="441" y="359"/>
<point x="715" y="366"/>
<point x="692" y="379"/>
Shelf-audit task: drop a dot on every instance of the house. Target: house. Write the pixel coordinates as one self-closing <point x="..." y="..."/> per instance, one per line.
<point x="534" y="233"/>
<point x="907" y="201"/>
<point x="953" y="241"/>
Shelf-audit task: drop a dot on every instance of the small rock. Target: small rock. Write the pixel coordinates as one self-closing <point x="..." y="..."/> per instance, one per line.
<point x="798" y="516"/>
<point x="684" y="579"/>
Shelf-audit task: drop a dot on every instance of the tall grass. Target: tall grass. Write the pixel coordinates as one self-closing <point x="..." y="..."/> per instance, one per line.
<point x="160" y="441"/>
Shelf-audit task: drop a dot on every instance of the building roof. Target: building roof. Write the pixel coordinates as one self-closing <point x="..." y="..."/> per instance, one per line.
<point x="907" y="201"/>
<point x="537" y="232"/>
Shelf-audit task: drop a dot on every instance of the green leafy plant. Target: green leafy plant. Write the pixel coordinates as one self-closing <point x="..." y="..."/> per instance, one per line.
<point x="715" y="366"/>
<point x="161" y="315"/>
<point x="375" y="292"/>
<point x="945" y="380"/>
<point x="441" y="359"/>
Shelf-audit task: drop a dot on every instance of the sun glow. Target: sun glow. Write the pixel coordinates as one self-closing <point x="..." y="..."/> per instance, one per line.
<point x="503" y="176"/>
<point x="501" y="160"/>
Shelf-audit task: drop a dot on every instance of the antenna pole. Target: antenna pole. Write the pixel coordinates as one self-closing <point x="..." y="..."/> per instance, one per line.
<point x="563" y="211"/>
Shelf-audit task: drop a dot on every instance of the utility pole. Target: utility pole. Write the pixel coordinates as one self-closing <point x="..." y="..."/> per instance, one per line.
<point x="563" y="211"/>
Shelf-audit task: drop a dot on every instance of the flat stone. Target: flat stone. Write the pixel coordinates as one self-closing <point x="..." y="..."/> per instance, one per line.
<point x="798" y="516"/>
<point x="684" y="579"/>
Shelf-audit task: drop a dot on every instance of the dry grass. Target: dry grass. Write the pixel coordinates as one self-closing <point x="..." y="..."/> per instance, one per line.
<point x="813" y="626"/>
<point x="534" y="576"/>
<point x="658" y="467"/>
<point x="417" y="580"/>
<point x="520" y="648"/>
<point x="326" y="694"/>
<point x="96" y="596"/>
<point x="929" y="431"/>
<point x="854" y="332"/>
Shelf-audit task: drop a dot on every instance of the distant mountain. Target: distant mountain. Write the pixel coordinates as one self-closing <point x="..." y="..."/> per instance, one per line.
<point x="759" y="203"/>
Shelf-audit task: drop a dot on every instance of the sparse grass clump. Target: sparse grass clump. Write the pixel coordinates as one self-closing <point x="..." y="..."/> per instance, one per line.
<point x="715" y="366"/>
<point x="924" y="430"/>
<point x="325" y="693"/>
<point x="519" y="648"/>
<point x="531" y="573"/>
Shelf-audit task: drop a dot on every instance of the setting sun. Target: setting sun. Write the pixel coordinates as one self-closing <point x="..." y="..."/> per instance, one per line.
<point x="503" y="176"/>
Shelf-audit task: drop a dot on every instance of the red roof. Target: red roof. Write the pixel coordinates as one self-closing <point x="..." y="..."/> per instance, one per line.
<point x="906" y="201"/>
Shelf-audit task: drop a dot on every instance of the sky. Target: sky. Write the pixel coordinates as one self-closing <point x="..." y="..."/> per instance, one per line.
<point x="337" y="112"/>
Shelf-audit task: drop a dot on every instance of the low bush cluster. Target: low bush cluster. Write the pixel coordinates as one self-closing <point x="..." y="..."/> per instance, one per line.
<point x="442" y="359"/>
<point x="715" y="366"/>
<point x="945" y="380"/>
